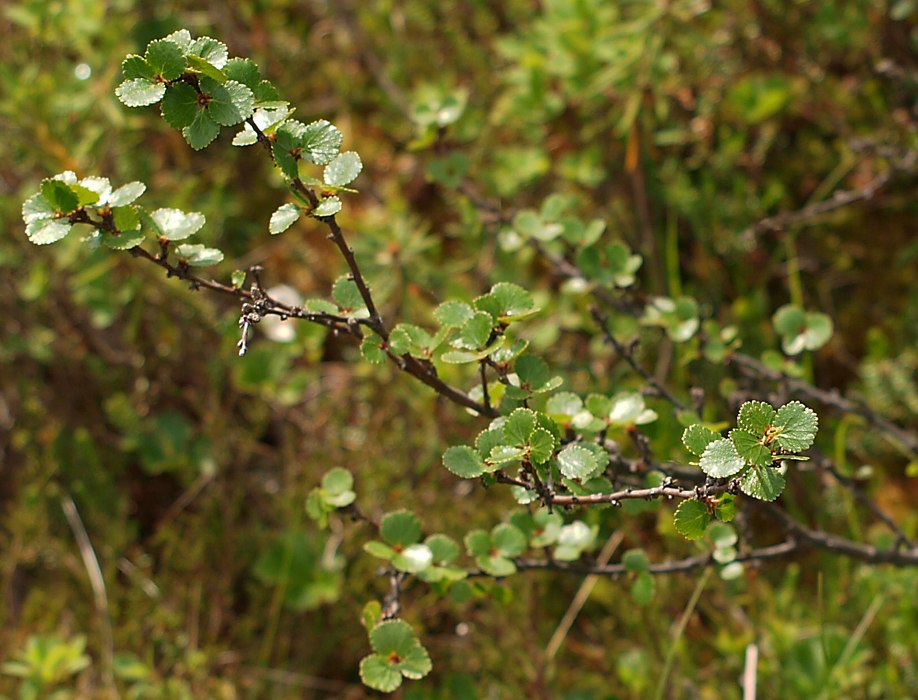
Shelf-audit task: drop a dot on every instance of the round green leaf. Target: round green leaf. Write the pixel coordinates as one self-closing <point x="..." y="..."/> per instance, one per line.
<point x="508" y="540"/>
<point x="756" y="417"/>
<point x="230" y="103"/>
<point x="393" y="637"/>
<point x="629" y="409"/>
<point x="377" y="673"/>
<point x="181" y="37"/>
<point x="400" y="528"/>
<point x="126" y="218"/>
<point x="320" y="141"/>
<point x="377" y="549"/>
<point x="722" y="535"/>
<point x="478" y="543"/>
<point x="347" y="294"/>
<point x="696" y="438"/>
<point x="176" y="225"/>
<point x="36" y="208"/>
<point x="165" y="58"/>
<point x="126" y="241"/>
<point x="198" y="255"/>
<point x="343" y="169"/>
<point x="750" y="448"/>
<point x="564" y="403"/>
<point x="576" y="462"/>
<point x="139" y="92"/>
<point x="463" y="461"/>
<point x="720" y="459"/>
<point x="202" y="131"/>
<point x="329" y="206"/>
<point x="798" y="426"/>
<point x="413" y="559"/>
<point x="643" y="588"/>
<point x="819" y="330"/>
<point x="519" y="426"/>
<point x="135" y="66"/>
<point x="502" y="454"/>
<point x="476" y="332"/>
<point x="211" y="50"/>
<point x="506" y="301"/>
<point x="635" y="561"/>
<point x="44" y="231"/>
<point x="541" y="446"/>
<point x="283" y="218"/>
<point x="372" y="347"/>
<point x="337" y="481"/>
<point x="126" y="194"/>
<point x="443" y="548"/>
<point x="789" y="320"/>
<point x="762" y="483"/>
<point x="243" y="70"/>
<point x="180" y="105"/>
<point x="499" y="567"/>
<point x="60" y="195"/>
<point x="453" y="313"/>
<point x="691" y="519"/>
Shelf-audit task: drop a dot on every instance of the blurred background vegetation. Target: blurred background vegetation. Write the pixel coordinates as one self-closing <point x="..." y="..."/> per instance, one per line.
<point x="680" y="124"/>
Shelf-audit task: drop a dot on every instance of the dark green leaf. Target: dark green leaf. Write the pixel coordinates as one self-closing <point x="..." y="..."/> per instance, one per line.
<point x="400" y="528"/>
<point x="180" y="105"/>
<point x="750" y="448"/>
<point x="755" y="417"/>
<point x="463" y="461"/>
<point x="519" y="426"/>
<point x="763" y="483"/>
<point x="541" y="446"/>
<point x="59" y="195"/>
<point x="230" y="103"/>
<point x="202" y="131"/>
<point x="691" y="519"/>
<point x="136" y="67"/>
<point x="243" y="70"/>
<point x="347" y="294"/>
<point x="373" y="348"/>
<point x="798" y="424"/>
<point x="165" y="58"/>
<point x="696" y="438"/>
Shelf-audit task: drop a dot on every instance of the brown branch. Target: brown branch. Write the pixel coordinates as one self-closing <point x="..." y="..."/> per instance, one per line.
<point x="897" y="556"/>
<point x="840" y="199"/>
<point x="627" y="354"/>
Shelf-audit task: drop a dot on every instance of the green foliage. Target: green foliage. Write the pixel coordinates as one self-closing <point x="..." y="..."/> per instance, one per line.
<point x="46" y="662"/>
<point x="397" y="654"/>
<point x="601" y="174"/>
<point x="801" y="330"/>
